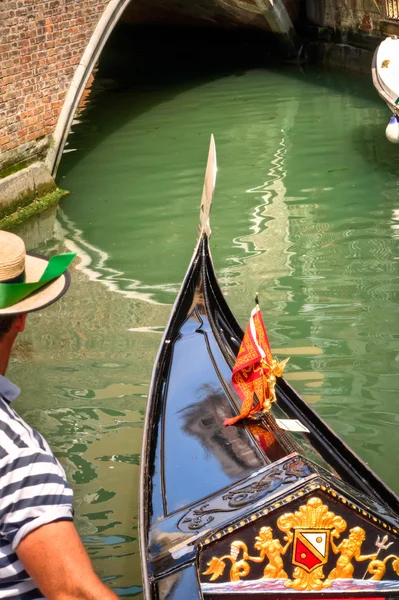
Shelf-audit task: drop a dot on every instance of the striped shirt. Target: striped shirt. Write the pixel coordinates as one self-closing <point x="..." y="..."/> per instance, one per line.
<point x="34" y="491"/>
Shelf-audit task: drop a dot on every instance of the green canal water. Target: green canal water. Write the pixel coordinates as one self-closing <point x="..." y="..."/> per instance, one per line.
<point x="306" y="212"/>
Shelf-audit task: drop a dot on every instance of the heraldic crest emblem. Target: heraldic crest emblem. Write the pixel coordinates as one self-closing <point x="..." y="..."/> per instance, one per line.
<point x="310" y="548"/>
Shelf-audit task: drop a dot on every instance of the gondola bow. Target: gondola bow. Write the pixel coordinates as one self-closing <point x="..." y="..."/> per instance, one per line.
<point x="258" y="509"/>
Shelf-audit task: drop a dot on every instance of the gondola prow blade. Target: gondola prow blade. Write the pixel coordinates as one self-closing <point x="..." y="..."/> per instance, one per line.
<point x="207" y="192"/>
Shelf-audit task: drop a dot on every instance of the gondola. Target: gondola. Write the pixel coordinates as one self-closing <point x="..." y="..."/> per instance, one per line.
<point x="274" y="507"/>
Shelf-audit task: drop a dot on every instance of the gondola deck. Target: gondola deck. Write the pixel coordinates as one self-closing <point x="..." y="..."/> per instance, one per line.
<point x="251" y="510"/>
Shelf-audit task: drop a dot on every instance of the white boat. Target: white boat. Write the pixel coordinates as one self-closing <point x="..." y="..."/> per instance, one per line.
<point x="385" y="72"/>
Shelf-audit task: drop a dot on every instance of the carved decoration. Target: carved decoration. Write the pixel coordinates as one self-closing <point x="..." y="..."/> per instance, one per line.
<point x="378" y="568"/>
<point x="288" y="473"/>
<point x="312" y="532"/>
<point x="268" y="547"/>
<point x="314" y="516"/>
<point x="239" y="497"/>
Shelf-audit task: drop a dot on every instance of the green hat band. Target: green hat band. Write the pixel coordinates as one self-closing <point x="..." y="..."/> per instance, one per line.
<point x="12" y="293"/>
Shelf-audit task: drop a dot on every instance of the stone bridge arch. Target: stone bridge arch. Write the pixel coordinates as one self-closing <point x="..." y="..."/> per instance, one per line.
<point x="274" y="12"/>
<point x="49" y="49"/>
<point x="103" y="30"/>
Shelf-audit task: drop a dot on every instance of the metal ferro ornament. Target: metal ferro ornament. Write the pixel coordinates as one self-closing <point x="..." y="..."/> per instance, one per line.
<point x="311" y="531"/>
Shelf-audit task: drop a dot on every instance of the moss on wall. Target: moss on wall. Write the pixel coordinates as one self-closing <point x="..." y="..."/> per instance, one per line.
<point x="10" y="217"/>
<point x="14" y="168"/>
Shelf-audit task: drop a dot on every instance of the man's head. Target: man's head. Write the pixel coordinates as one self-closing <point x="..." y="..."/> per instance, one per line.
<point x="9" y="323"/>
<point x="10" y="327"/>
<point x="6" y="322"/>
<point x="27" y="283"/>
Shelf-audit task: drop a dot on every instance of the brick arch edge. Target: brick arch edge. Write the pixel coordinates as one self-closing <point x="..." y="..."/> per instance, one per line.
<point x="106" y="24"/>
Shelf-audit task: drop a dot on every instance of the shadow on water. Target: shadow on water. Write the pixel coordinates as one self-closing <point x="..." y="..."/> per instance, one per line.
<point x="368" y="135"/>
<point x="370" y="142"/>
<point x="148" y="66"/>
<point x="143" y="67"/>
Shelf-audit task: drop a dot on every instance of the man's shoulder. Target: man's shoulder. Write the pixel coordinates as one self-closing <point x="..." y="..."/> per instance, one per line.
<point x="23" y="449"/>
<point x="17" y="434"/>
<point x="34" y="492"/>
<point x="37" y="465"/>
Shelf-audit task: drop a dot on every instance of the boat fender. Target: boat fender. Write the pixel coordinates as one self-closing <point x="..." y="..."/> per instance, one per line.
<point x="392" y="130"/>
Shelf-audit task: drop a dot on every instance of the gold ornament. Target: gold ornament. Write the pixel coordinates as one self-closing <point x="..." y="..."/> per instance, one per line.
<point x="313" y="516"/>
<point x="311" y="531"/>
<point x="349" y="549"/>
<point x="377" y="568"/>
<point x="273" y="370"/>
<point x="269" y="549"/>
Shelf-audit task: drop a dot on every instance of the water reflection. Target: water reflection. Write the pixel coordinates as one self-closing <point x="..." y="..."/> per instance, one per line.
<point x="93" y="262"/>
<point x="200" y="411"/>
<point x="203" y="420"/>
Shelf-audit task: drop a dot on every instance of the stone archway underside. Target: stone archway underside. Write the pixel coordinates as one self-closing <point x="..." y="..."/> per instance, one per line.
<point x="271" y="15"/>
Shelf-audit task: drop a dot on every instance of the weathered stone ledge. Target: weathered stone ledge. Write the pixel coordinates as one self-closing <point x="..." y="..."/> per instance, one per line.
<point x="23" y="211"/>
<point x="27" y="152"/>
<point x="344" y="48"/>
<point x="340" y="55"/>
<point x="26" y="192"/>
<point x="29" y="183"/>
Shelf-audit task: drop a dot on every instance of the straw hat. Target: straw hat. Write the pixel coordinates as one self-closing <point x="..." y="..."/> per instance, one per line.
<point x="18" y="266"/>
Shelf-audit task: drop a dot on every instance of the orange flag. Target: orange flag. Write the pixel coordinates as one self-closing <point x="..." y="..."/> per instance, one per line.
<point x="255" y="370"/>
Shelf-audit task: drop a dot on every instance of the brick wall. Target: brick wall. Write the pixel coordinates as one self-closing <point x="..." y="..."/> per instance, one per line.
<point x="41" y="43"/>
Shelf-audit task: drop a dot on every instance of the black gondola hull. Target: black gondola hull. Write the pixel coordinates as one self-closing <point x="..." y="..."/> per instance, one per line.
<point x="251" y="510"/>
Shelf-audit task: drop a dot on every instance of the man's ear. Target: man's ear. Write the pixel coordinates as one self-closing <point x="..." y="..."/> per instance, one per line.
<point x="19" y="322"/>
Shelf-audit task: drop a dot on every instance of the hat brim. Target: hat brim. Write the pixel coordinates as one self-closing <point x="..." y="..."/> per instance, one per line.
<point x="35" y="265"/>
